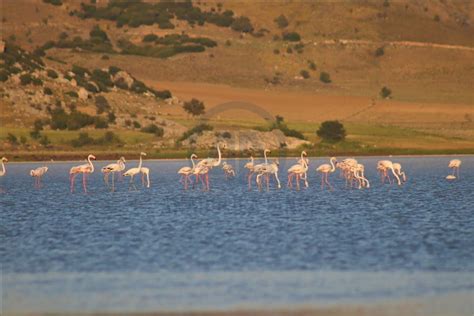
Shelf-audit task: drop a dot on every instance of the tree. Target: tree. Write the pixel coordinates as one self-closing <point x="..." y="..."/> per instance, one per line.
<point x="385" y="92"/>
<point x="281" y="21"/>
<point x="332" y="131"/>
<point x="242" y="24"/>
<point x="304" y="74"/>
<point x="194" y="107"/>
<point x="291" y="36"/>
<point x="324" y="77"/>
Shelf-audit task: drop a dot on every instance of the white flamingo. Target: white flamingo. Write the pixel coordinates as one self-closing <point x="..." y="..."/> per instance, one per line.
<point x="267" y="170"/>
<point x="325" y="169"/>
<point x="228" y="170"/>
<point x="3" y="172"/>
<point x="145" y="175"/>
<point x="199" y="172"/>
<point x="208" y="164"/>
<point x="132" y="172"/>
<point x="85" y="170"/>
<point x="257" y="168"/>
<point x="454" y="164"/>
<point x="359" y="175"/>
<point x="388" y="165"/>
<point x="119" y="166"/>
<point x="298" y="170"/>
<point x="398" y="169"/>
<point x="186" y="172"/>
<point x="37" y="174"/>
<point x="249" y="165"/>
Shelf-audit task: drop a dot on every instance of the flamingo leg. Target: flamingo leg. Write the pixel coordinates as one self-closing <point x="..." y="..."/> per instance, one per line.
<point x="106" y="179"/>
<point x="249" y="178"/>
<point x="322" y="180"/>
<point x="71" y="178"/>
<point x="267" y="178"/>
<point x="113" y="182"/>
<point x="298" y="182"/>
<point x="84" y="182"/>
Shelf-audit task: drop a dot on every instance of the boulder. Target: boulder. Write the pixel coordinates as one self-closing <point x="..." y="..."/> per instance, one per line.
<point x="83" y="94"/>
<point x="123" y="78"/>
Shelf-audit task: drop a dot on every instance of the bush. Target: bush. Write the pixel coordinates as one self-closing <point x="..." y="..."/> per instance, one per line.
<point x="194" y="107"/>
<point x="47" y="91"/>
<point x="72" y="94"/>
<point x="25" y="79"/>
<point x="82" y="140"/>
<point x="35" y="134"/>
<point x="332" y="131"/>
<point x="111" y="116"/>
<point x="198" y="129"/>
<point x="54" y="2"/>
<point x="101" y="104"/>
<point x="311" y="65"/>
<point x="379" y="52"/>
<point x="281" y="21"/>
<point x="385" y="92"/>
<point x="276" y="51"/>
<point x="113" y="70"/>
<point x="3" y="75"/>
<point x="150" y="38"/>
<point x="100" y="122"/>
<point x="136" y="124"/>
<point x="79" y="71"/>
<point x="38" y="125"/>
<point x="281" y="125"/>
<point x="324" y="77"/>
<point x="12" y="139"/>
<point x="102" y="79"/>
<point x="304" y="74"/>
<point x="97" y="33"/>
<point x="226" y="135"/>
<point x="44" y="141"/>
<point x="153" y="129"/>
<point x="242" y="24"/>
<point x="52" y="74"/>
<point x="289" y="50"/>
<point x="291" y="36"/>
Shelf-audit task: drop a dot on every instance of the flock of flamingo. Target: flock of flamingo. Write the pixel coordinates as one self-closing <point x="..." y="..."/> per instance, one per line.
<point x="350" y="169"/>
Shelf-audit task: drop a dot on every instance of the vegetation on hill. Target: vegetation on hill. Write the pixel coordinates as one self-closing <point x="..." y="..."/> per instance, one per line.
<point x="332" y="131"/>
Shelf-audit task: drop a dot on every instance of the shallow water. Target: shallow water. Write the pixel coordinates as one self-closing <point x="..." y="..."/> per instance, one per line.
<point x="165" y="248"/>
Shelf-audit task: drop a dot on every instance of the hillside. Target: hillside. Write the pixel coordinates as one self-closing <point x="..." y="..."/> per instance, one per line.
<point x="236" y="51"/>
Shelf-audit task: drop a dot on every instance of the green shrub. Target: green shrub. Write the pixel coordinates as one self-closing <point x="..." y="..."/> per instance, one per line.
<point x="36" y="81"/>
<point x="242" y="24"/>
<point x="385" y="92"/>
<point x="226" y="135"/>
<point x="289" y="50"/>
<point x="35" y="134"/>
<point x="3" y="75"/>
<point x="111" y="116"/>
<point x="25" y="79"/>
<point x="311" y="65"/>
<point x="332" y="131"/>
<point x="163" y="94"/>
<point x="281" y="21"/>
<point x="72" y="94"/>
<point x="281" y="125"/>
<point x="12" y="139"/>
<point x="82" y="140"/>
<point x="114" y="70"/>
<point x="102" y="79"/>
<point x="79" y="71"/>
<point x="100" y="122"/>
<point x="194" y="107"/>
<point x="101" y="104"/>
<point x="44" y="141"/>
<point x="324" y="77"/>
<point x="379" y="52"/>
<point x="198" y="129"/>
<point x="136" y="124"/>
<point x="276" y="51"/>
<point x="54" y="2"/>
<point x="52" y="74"/>
<point x="47" y="91"/>
<point x="291" y="36"/>
<point x="150" y="38"/>
<point x="91" y="87"/>
<point x="153" y="129"/>
<point x="99" y="34"/>
<point x="304" y="74"/>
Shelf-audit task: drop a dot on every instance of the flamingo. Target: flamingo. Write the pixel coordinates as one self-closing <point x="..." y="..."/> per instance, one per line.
<point x="228" y="170"/>
<point x="113" y="168"/>
<point x="398" y="169"/>
<point x="454" y="164"/>
<point x="3" y="172"/>
<point x="132" y="172"/>
<point x="386" y="165"/>
<point x="257" y="168"/>
<point x="358" y="173"/>
<point x="145" y="175"/>
<point x="299" y="170"/>
<point x="267" y="170"/>
<point x="84" y="169"/>
<point x="200" y="172"/>
<point x="325" y="169"/>
<point x="249" y="165"/>
<point x="37" y="174"/>
<point x="208" y="164"/>
<point x="186" y="172"/>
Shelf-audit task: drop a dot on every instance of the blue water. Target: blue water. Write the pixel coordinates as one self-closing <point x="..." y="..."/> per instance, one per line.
<point x="165" y="248"/>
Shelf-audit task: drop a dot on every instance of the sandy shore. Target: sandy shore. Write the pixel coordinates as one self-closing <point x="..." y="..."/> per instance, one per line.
<point x="456" y="304"/>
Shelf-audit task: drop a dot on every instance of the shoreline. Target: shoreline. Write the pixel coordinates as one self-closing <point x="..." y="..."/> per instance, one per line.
<point x="449" y="304"/>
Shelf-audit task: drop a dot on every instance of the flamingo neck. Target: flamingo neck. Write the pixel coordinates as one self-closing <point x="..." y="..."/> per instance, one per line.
<point x="332" y="164"/>
<point x="220" y="156"/>
<point x="140" y="164"/>
<point x="251" y="159"/>
<point x="90" y="163"/>
<point x="192" y="161"/>
<point x="265" y="155"/>
<point x="4" y="171"/>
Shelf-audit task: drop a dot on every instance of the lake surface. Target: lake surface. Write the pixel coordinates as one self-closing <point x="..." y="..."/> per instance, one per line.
<point x="164" y="248"/>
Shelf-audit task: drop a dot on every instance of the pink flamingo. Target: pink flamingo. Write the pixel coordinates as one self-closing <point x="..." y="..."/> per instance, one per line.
<point x="3" y="172"/>
<point x="200" y="172"/>
<point x="299" y="170"/>
<point x="228" y="170"/>
<point x="113" y="168"/>
<point x="325" y="169"/>
<point x="85" y="170"/>
<point x="37" y="174"/>
<point x="208" y="164"/>
<point x="256" y="169"/>
<point x="386" y="165"/>
<point x="186" y="172"/>
<point x="454" y="164"/>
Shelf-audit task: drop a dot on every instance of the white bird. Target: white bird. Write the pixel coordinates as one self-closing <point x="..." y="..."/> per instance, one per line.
<point x="37" y="174"/>
<point x="132" y="172"/>
<point x="85" y="170"/>
<point x="386" y="165"/>
<point x="256" y="168"/>
<point x="186" y="172"/>
<point x="267" y="170"/>
<point x="119" y="166"/>
<point x="298" y="170"/>
<point x="3" y="172"/>
<point x="398" y="169"/>
<point x="228" y="170"/>
<point x="325" y="169"/>
<point x="211" y="162"/>
<point x="454" y="164"/>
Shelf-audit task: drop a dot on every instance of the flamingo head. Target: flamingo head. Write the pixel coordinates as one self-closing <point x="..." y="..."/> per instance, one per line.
<point x="194" y="156"/>
<point x="32" y="173"/>
<point x="303" y="153"/>
<point x="91" y="157"/>
<point x="142" y="154"/>
<point x="122" y="159"/>
<point x="266" y="151"/>
<point x="4" y="159"/>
